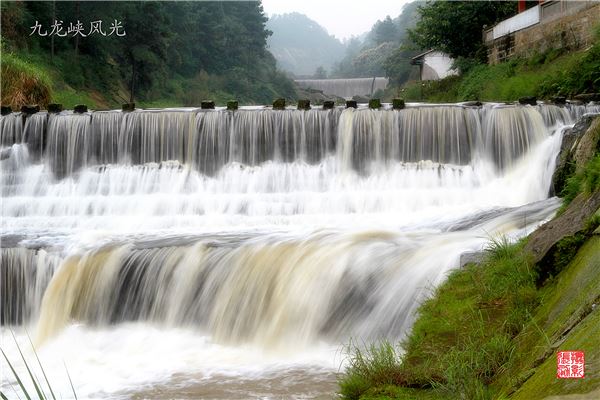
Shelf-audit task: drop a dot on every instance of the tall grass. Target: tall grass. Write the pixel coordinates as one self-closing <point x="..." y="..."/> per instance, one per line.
<point x="41" y="393"/>
<point x="24" y="82"/>
<point x="377" y="364"/>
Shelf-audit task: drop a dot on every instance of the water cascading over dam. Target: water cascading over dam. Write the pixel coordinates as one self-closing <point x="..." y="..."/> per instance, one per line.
<point x="190" y="253"/>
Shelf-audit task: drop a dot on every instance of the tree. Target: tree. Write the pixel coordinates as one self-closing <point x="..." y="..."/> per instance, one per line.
<point x="385" y="31"/>
<point x="456" y="27"/>
<point x="320" y="73"/>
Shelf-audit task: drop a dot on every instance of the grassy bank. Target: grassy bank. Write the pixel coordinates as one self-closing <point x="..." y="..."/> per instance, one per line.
<point x="492" y="330"/>
<point x="36" y="78"/>
<point x="544" y="75"/>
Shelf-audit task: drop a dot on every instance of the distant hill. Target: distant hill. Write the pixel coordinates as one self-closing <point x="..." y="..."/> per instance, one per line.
<point x="300" y="45"/>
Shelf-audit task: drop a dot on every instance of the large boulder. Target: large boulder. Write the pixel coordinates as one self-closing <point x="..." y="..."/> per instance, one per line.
<point x="576" y="149"/>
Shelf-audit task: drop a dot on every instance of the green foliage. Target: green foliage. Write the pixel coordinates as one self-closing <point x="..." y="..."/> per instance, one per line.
<point x="586" y="181"/>
<point x="558" y="74"/>
<point x="456" y="27"/>
<point x="368" y="366"/>
<point x="166" y="43"/>
<point x="23" y="82"/>
<point x="463" y="336"/>
<point x="301" y="45"/>
<point x="386" y="50"/>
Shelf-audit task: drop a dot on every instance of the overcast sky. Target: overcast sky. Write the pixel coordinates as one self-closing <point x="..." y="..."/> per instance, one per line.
<point x="341" y="18"/>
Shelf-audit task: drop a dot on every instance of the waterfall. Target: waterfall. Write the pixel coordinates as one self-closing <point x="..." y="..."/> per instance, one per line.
<point x="257" y="240"/>
<point x="347" y="87"/>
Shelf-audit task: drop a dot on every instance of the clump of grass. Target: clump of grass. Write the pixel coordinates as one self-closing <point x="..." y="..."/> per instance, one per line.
<point x="586" y="181"/>
<point x="368" y="366"/>
<point x="24" y="83"/>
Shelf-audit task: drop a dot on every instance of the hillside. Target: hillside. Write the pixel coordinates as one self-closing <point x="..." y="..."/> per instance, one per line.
<point x="190" y="52"/>
<point x="300" y="45"/>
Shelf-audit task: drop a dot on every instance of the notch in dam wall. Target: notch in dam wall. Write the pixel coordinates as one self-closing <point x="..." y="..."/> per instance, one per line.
<point x="346" y="88"/>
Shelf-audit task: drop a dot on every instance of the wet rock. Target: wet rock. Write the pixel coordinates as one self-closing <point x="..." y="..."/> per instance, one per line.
<point x="207" y="105"/>
<point x="80" y="109"/>
<point x="6" y="110"/>
<point x="232" y="105"/>
<point x="303" y="104"/>
<point x="351" y="104"/>
<point x="587" y="97"/>
<point x="128" y="107"/>
<point x="528" y="100"/>
<point x="559" y="100"/>
<point x="279" y="104"/>
<point x="375" y="104"/>
<point x="398" y="104"/>
<point x="472" y="104"/>
<point x="55" y="108"/>
<point x="566" y="159"/>
<point x="471" y="257"/>
<point x="5" y="153"/>
<point x="328" y="105"/>
<point x="30" y="109"/>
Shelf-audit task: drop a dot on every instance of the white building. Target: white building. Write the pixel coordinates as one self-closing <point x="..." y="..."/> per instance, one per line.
<point x="434" y="65"/>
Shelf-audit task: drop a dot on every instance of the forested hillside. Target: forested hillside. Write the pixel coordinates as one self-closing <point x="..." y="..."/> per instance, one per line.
<point x="171" y="52"/>
<point x="301" y="45"/>
<point x="385" y="50"/>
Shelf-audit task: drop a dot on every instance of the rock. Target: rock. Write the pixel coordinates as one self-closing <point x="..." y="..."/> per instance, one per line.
<point x="279" y="104"/>
<point x="565" y="160"/>
<point x="351" y="104"/>
<point x="55" y="108"/>
<point x="207" y="105"/>
<point x="398" y="104"/>
<point x="5" y="153"/>
<point x="328" y="105"/>
<point x="559" y="100"/>
<point x="573" y="220"/>
<point x="375" y="104"/>
<point x="530" y="100"/>
<point x="128" y="107"/>
<point x="587" y="145"/>
<point x="471" y="104"/>
<point x="30" y="109"/>
<point x="303" y="104"/>
<point x="575" y="102"/>
<point x="587" y="97"/>
<point x="471" y="257"/>
<point x="232" y="105"/>
<point x="6" y="110"/>
<point x="80" y="109"/>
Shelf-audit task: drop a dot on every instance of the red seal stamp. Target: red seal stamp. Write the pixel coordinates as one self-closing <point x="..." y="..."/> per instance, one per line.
<point x="570" y="364"/>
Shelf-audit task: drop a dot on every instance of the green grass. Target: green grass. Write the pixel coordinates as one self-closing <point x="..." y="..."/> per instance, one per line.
<point x="24" y="82"/>
<point x="586" y="181"/>
<point x="463" y="336"/>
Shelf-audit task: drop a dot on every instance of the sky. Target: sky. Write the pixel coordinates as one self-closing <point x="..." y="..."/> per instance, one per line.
<point x="341" y="18"/>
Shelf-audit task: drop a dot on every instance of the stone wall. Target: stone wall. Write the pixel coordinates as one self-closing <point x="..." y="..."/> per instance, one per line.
<point x="573" y="32"/>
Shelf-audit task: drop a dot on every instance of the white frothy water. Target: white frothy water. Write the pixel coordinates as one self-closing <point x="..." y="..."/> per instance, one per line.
<point x="211" y="247"/>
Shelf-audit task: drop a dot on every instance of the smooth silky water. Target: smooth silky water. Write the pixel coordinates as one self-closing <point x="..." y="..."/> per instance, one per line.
<point x="213" y="254"/>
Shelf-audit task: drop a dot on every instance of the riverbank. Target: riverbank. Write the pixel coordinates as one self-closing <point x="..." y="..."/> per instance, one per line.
<point x="545" y="75"/>
<point x="492" y="329"/>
